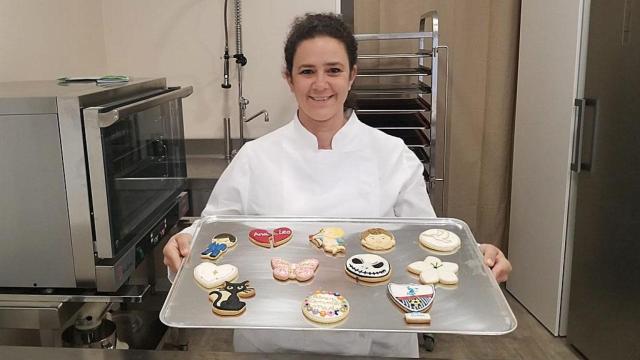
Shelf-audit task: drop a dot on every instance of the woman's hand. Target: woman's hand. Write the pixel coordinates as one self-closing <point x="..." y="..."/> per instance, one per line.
<point x="496" y="261"/>
<point x="177" y="248"/>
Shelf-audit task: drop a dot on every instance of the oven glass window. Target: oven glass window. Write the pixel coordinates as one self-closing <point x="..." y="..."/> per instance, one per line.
<point x="145" y="169"/>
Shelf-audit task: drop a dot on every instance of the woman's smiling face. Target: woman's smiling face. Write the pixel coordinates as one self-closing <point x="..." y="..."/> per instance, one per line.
<point x="320" y="79"/>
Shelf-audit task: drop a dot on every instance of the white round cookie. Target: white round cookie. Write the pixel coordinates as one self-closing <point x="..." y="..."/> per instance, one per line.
<point x="325" y="307"/>
<point x="440" y="240"/>
<point x="210" y="275"/>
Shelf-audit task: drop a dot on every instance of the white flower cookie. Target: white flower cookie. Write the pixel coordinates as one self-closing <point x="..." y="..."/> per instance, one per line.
<point x="440" y="240"/>
<point x="432" y="271"/>
<point x="210" y="275"/>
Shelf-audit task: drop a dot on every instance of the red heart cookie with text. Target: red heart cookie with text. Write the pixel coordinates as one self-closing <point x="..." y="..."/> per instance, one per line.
<point x="260" y="237"/>
<point x="281" y="236"/>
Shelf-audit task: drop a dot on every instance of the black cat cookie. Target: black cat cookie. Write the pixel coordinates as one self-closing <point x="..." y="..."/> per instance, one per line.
<point x="226" y="300"/>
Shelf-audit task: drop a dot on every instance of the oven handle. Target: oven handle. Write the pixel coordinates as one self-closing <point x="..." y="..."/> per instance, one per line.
<point x="107" y="119"/>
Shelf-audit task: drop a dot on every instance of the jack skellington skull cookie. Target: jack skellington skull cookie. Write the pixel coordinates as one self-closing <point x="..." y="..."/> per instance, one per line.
<point x="368" y="267"/>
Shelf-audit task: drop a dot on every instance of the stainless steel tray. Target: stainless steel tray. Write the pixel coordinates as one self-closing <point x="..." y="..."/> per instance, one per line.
<point x="475" y="306"/>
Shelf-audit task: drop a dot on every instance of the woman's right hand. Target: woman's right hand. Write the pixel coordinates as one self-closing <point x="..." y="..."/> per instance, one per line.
<point x="176" y="249"/>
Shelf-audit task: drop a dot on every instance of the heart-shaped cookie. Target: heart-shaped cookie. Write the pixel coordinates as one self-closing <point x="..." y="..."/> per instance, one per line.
<point x="260" y="237"/>
<point x="210" y="275"/>
<point x="266" y="239"/>
<point x="281" y="236"/>
<point x="412" y="297"/>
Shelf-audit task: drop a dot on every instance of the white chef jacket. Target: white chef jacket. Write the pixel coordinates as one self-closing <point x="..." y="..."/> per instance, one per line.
<point x="367" y="173"/>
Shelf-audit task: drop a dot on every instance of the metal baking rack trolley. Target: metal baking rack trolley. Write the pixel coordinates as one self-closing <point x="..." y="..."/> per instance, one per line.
<point x="398" y="92"/>
<point x="475" y="305"/>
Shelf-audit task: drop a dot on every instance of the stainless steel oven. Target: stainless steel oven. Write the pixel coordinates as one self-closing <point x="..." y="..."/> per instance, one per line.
<point x="91" y="177"/>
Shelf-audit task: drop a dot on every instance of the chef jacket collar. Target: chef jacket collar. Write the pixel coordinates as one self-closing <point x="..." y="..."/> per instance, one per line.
<point x="344" y="139"/>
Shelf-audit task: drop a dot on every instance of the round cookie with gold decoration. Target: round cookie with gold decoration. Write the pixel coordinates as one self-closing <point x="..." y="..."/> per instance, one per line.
<point x="325" y="307"/>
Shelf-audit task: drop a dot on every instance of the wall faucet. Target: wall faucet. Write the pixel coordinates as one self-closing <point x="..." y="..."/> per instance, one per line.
<point x="261" y="112"/>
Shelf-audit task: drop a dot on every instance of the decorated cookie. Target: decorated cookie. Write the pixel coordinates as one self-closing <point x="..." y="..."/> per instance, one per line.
<point x="266" y="239"/>
<point x="210" y="275"/>
<point x="440" y="240"/>
<point x="302" y="271"/>
<point x="414" y="299"/>
<point x="281" y="236"/>
<point x="432" y="271"/>
<point x="325" y="307"/>
<point x="220" y="244"/>
<point x="331" y="239"/>
<point x="377" y="239"/>
<point x="226" y="300"/>
<point x="368" y="267"/>
<point x="260" y="237"/>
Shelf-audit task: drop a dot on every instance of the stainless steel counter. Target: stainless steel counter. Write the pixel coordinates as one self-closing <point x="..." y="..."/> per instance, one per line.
<point x="24" y="353"/>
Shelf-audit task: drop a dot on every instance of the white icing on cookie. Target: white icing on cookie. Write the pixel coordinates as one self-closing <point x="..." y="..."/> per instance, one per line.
<point x="210" y="275"/>
<point x="368" y="267"/>
<point x="325" y="307"/>
<point x="432" y="271"/>
<point x="440" y="240"/>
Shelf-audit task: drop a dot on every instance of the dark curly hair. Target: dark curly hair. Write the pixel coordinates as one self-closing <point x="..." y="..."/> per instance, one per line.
<point x="312" y="25"/>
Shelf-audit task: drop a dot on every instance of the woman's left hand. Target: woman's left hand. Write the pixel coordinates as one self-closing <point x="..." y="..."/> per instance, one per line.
<point x="496" y="261"/>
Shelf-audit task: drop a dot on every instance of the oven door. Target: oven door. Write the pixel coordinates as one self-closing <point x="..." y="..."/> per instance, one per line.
<point x="137" y="167"/>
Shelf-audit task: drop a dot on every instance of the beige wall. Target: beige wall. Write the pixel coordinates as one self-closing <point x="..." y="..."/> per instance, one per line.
<point x="184" y="41"/>
<point x="41" y="39"/>
<point x="181" y="40"/>
<point x="482" y="37"/>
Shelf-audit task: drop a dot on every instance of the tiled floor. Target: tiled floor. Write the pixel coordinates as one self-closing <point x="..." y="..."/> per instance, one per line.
<point x="529" y="341"/>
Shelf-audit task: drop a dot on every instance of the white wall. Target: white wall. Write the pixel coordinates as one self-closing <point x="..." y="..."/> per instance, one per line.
<point x="184" y="41"/>
<point x="180" y="40"/>
<point x="42" y="39"/>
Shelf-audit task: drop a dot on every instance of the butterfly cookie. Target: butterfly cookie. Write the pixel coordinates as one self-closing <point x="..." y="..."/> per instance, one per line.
<point x="302" y="271"/>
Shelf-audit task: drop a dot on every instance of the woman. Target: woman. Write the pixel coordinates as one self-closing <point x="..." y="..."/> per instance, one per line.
<point x="325" y="162"/>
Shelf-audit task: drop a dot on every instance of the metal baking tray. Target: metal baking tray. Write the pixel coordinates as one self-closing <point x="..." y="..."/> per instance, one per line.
<point x="392" y="106"/>
<point x="475" y="306"/>
<point x="413" y="121"/>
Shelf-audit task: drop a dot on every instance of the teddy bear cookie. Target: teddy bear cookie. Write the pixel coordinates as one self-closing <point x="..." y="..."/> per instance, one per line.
<point x="267" y="239"/>
<point x="414" y="299"/>
<point x="440" y="240"/>
<point x="226" y="300"/>
<point x="302" y="271"/>
<point x="210" y="275"/>
<point x="220" y="244"/>
<point x="325" y="307"/>
<point x="331" y="239"/>
<point x="368" y="267"/>
<point x="432" y="271"/>
<point x="377" y="239"/>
